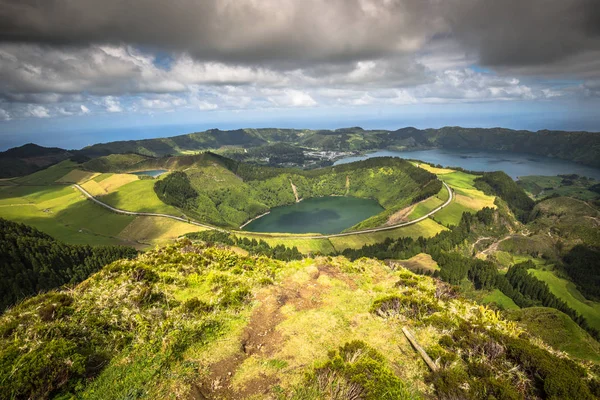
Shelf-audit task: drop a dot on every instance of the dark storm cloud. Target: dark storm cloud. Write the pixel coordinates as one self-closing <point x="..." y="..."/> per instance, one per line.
<point x="517" y="33"/>
<point x="500" y="32"/>
<point x="229" y="30"/>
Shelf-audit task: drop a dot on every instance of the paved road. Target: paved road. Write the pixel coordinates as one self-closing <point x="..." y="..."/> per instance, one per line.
<point x="270" y="235"/>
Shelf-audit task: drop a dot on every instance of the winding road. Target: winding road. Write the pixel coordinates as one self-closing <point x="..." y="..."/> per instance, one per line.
<point x="270" y="235"/>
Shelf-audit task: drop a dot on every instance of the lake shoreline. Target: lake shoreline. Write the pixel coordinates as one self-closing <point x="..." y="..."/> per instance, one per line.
<point x="514" y="164"/>
<point x="254" y="219"/>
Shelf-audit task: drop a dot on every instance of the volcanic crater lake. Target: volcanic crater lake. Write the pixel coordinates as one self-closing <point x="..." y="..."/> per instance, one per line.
<point x="152" y="172"/>
<point x="325" y="215"/>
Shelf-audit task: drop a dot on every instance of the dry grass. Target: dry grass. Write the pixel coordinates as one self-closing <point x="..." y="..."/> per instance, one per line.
<point x="426" y="228"/>
<point x="100" y="187"/>
<point x="422" y="261"/>
<point x="434" y="170"/>
<point x="156" y="230"/>
<point x="474" y="199"/>
<point x="77" y="176"/>
<point x="323" y="308"/>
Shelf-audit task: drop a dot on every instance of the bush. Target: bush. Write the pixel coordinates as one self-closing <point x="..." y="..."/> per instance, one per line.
<point x="357" y="371"/>
<point x="408" y="305"/>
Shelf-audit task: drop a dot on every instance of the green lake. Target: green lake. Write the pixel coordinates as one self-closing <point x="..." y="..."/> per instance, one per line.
<point x="317" y="215"/>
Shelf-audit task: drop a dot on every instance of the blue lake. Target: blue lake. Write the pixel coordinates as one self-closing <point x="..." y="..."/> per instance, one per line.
<point x="514" y="164"/>
<point x="153" y="172"/>
<point x="316" y="215"/>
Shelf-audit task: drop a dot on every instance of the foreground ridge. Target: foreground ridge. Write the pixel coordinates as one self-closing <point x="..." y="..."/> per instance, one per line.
<point x="207" y="322"/>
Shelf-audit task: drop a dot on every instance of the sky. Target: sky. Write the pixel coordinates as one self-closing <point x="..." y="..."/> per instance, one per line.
<point x="74" y="73"/>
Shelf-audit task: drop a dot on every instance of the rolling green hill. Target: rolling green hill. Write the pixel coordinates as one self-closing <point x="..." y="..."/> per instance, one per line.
<point x="582" y="147"/>
<point x="206" y="322"/>
<point x="224" y="192"/>
<point x="29" y="158"/>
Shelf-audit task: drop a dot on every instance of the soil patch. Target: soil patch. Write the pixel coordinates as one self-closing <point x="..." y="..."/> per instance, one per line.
<point x="260" y="337"/>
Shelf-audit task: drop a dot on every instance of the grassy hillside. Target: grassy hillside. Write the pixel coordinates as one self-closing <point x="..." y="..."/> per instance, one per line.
<point x="203" y="322"/>
<point x="559" y="331"/>
<point x="227" y="193"/>
<point x="573" y="221"/>
<point x="540" y="187"/>
<point x="64" y="213"/>
<point x="576" y="146"/>
<point x="29" y="158"/>
<point x="33" y="262"/>
<point x="566" y="291"/>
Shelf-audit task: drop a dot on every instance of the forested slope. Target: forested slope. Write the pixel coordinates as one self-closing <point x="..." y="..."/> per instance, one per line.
<point x="33" y="262"/>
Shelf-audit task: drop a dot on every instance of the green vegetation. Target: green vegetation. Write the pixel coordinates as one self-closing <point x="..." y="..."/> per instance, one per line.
<point x="576" y="146"/>
<point x="540" y="187"/>
<point x="138" y="196"/>
<point x="32" y="262"/>
<point x="48" y="176"/>
<point x="202" y="321"/>
<point x="582" y="265"/>
<point x="478" y="375"/>
<point x="227" y="193"/>
<point x="114" y="162"/>
<point x="533" y="291"/>
<point x="63" y="213"/>
<point x="559" y="331"/>
<point x="572" y="220"/>
<point x="502" y="185"/>
<point x="279" y="252"/>
<point x="502" y="301"/>
<point x="355" y="370"/>
<point x="29" y="158"/>
<point x="568" y="293"/>
<point x="176" y="189"/>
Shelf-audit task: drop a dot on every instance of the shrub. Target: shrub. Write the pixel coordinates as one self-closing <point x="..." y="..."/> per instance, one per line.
<point x="196" y="306"/>
<point x="408" y="305"/>
<point x="357" y="371"/>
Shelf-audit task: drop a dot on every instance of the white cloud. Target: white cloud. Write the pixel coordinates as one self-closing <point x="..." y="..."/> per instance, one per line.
<point x="291" y="98"/>
<point x="4" y="115"/>
<point x="84" y="109"/>
<point x="37" y="111"/>
<point x="206" y="106"/>
<point x="112" y="105"/>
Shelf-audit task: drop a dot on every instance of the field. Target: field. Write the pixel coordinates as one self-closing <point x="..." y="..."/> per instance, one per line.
<point x="77" y="176"/>
<point x="63" y="213"/>
<point x="425" y="228"/>
<point x="558" y="330"/>
<point x="539" y="187"/>
<point x="427" y="205"/>
<point x="502" y="300"/>
<point x="107" y="183"/>
<point x="567" y="292"/>
<point x="156" y="230"/>
<point x="139" y="196"/>
<point x="48" y="176"/>
<point x="466" y="197"/>
<point x="420" y="262"/>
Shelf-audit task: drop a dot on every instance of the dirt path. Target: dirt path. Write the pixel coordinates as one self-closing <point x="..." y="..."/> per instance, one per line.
<point x="494" y="246"/>
<point x="261" y="339"/>
<point x="347" y="185"/>
<point x="295" y="190"/>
